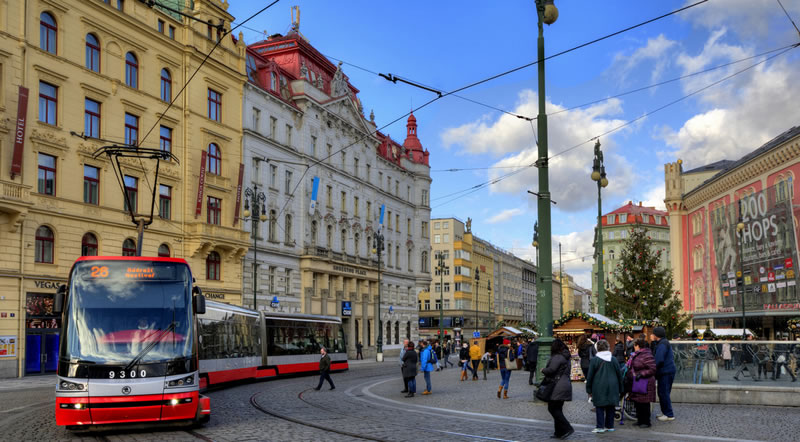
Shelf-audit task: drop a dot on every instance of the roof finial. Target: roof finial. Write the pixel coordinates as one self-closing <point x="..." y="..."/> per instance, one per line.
<point x="296" y="19"/>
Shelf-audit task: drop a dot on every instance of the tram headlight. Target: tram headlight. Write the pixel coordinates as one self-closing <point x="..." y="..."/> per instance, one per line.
<point x="188" y="380"/>
<point x="71" y="386"/>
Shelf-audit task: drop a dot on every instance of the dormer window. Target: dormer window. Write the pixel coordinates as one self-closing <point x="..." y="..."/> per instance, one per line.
<point x="623" y="218"/>
<point x="610" y="219"/>
<point x="273" y="81"/>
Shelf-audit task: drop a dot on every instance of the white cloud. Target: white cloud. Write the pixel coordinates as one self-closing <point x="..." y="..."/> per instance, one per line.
<point x="655" y="197"/>
<point x="503" y="216"/>
<point x="576" y="254"/>
<point x="748" y="18"/>
<point x="655" y="50"/>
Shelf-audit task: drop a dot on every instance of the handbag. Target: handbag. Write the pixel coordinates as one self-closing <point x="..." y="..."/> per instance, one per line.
<point x="545" y="390"/>
<point x="639" y="385"/>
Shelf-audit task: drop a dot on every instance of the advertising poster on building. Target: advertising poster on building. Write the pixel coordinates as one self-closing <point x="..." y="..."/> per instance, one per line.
<point x="762" y="266"/>
<point x="8" y="346"/>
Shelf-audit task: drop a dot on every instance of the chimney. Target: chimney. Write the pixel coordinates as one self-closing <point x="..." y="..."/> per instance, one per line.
<point x="640" y="204"/>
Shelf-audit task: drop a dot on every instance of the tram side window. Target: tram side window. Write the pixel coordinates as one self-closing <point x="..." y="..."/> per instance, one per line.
<point x="232" y="336"/>
<point x="301" y="337"/>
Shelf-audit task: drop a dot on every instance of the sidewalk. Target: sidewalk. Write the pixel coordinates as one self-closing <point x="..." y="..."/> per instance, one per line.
<point x="43" y="381"/>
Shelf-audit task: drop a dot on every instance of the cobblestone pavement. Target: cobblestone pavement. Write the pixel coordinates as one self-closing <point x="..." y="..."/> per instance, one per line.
<point x="367" y="404"/>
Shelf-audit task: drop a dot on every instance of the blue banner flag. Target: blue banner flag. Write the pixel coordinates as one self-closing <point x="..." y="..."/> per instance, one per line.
<point x="383" y="210"/>
<point x="314" y="191"/>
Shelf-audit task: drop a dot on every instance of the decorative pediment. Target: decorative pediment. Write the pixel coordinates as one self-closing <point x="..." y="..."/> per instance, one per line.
<point x="48" y="138"/>
<point x="344" y="222"/>
<point x="357" y="227"/>
<point x="410" y="244"/>
<point x="330" y="218"/>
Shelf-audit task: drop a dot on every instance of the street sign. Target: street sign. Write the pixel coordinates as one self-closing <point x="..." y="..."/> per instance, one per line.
<point x="346" y="308"/>
<point x="275" y="302"/>
<point x="476" y="334"/>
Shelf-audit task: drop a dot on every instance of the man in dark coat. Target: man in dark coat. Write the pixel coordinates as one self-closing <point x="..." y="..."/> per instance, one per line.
<point x="325" y="369"/>
<point x="746" y="360"/>
<point x="359" y="348"/>
<point x="531" y="358"/>
<point x="619" y="352"/>
<point x="410" y="368"/>
<point x="665" y="372"/>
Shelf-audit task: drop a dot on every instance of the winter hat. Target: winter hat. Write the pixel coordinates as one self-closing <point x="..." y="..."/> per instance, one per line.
<point x="660" y="332"/>
<point x="506" y="342"/>
<point x="594" y="336"/>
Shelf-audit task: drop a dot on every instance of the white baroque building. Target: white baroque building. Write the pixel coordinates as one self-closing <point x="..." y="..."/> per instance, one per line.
<point x="303" y="119"/>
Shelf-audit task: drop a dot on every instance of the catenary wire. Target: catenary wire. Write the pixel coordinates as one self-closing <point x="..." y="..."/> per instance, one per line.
<point x="790" y="18"/>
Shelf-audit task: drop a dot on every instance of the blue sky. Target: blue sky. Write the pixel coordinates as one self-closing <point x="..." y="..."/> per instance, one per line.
<point x="447" y="45"/>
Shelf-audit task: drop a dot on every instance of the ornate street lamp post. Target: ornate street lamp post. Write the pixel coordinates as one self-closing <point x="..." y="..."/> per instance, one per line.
<point x="441" y="267"/>
<point x="256" y="199"/>
<point x="546" y="13"/>
<point x="377" y="248"/>
<point x="740" y="276"/>
<point x="599" y="175"/>
<point x="477" y="285"/>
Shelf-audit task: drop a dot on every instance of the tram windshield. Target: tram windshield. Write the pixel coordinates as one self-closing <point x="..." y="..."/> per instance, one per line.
<point x="121" y="311"/>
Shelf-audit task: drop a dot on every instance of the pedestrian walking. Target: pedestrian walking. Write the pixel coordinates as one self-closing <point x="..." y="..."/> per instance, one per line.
<point x="485" y="359"/>
<point x="641" y="369"/>
<point x="446" y="350"/>
<point x="402" y="364"/>
<point x="619" y="352"/>
<point x="409" y="367"/>
<point x="586" y="352"/>
<point x="325" y="369"/>
<point x="359" y="348"/>
<point x="665" y="372"/>
<point x="475" y="357"/>
<point x="463" y="358"/>
<point x="427" y="365"/>
<point x="604" y="386"/>
<point x="557" y="388"/>
<point x="520" y="356"/>
<point x="745" y="359"/>
<point x="762" y="357"/>
<point x="505" y="356"/>
<point x="782" y="355"/>
<point x="532" y="359"/>
<point x="437" y="349"/>
<point x="726" y="355"/>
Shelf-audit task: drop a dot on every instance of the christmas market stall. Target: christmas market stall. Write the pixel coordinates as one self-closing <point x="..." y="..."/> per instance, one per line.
<point x="495" y="339"/>
<point x="794" y="327"/>
<point x="574" y="324"/>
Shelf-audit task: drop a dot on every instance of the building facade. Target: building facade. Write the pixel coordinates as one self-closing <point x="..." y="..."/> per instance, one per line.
<point x="720" y="271"/>
<point x="529" y="280"/>
<point x="616" y="230"/>
<point x="80" y="75"/>
<point x="304" y="123"/>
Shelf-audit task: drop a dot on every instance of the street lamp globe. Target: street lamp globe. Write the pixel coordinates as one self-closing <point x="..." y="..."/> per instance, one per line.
<point x="604" y="182"/>
<point x="739" y="226"/>
<point x="550" y="12"/>
<point x="263" y="216"/>
<point x="595" y="175"/>
<point x="535" y="243"/>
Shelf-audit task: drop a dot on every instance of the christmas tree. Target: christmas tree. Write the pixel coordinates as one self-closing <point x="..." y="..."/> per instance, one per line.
<point x="641" y="289"/>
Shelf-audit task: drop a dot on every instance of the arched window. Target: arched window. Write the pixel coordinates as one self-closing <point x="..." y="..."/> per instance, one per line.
<point x="314" y="233"/>
<point x="397" y="332"/>
<point x="47" y="32"/>
<point x="287" y="228"/>
<point x="343" y="241"/>
<point x="273" y="226"/>
<point x="163" y="251"/>
<point x="129" y="247"/>
<point x="92" y="53"/>
<point x="213" y="263"/>
<point x="166" y="85"/>
<point x="89" y="245"/>
<point x="214" y="159"/>
<point x="329" y="236"/>
<point x="45" y="241"/>
<point x="611" y="254"/>
<point x="357" y="244"/>
<point x="131" y="70"/>
<point x="409" y="264"/>
<point x="388" y="337"/>
<point x="423" y="265"/>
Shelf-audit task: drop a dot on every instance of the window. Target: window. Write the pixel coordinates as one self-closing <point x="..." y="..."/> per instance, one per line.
<point x="214" y="105"/>
<point x="129" y="247"/>
<point x="273" y="226"/>
<point x="424" y="197"/>
<point x="91" y="118"/>
<point x="369" y="172"/>
<point x="287" y="280"/>
<point x="165" y="139"/>
<point x="611" y="255"/>
<point x="92" y="53"/>
<point x="47" y="32"/>
<point x="329" y="196"/>
<point x="424" y="228"/>
<point x="163" y="251"/>
<point x="446" y="238"/>
<point x="91" y="184"/>
<point x="424" y="263"/>
<point x="329" y="236"/>
<point x="389" y="219"/>
<point x="697" y="224"/>
<point x="214" y="159"/>
<point x="131" y="193"/>
<point x="355" y="206"/>
<point x="213" y="263"/>
<point x="256" y="117"/>
<point x="344" y="161"/>
<point x="369" y="210"/>
<point x="121" y="5"/>
<point x="645" y="218"/>
<point x="47" y="174"/>
<point x="271" y="279"/>
<point x="131" y="70"/>
<point x="288" y="182"/>
<point x="697" y="258"/>
<point x="446" y="290"/>
<point x="380" y="178"/>
<point x="397" y="257"/>
<point x="446" y="225"/>
<point x="388" y="183"/>
<point x="171" y="32"/>
<point x="610" y="219"/>
<point x="273" y="81"/>
<point x="287" y="229"/>
<point x="344" y="202"/>
<point x="343" y="241"/>
<point x="89" y="245"/>
<point x="409" y="264"/>
<point x="48" y="101"/>
<point x="658" y="219"/>
<point x="273" y="127"/>
<point x="397" y="188"/>
<point x="161" y="25"/>
<point x="427" y="304"/>
<point x="289" y="135"/>
<point x="214" y="210"/>
<point x="408" y="226"/>
<point x="330" y="149"/>
<point x="623" y="218"/>
<point x="44" y="245"/>
<point x="165" y="201"/>
<point x="273" y="176"/>
<point x="314" y="233"/>
<point x="397" y="222"/>
<point x="166" y="85"/>
<point x="131" y="129"/>
<point x="355" y="167"/>
<point x="437" y="239"/>
<point x="357" y="244"/>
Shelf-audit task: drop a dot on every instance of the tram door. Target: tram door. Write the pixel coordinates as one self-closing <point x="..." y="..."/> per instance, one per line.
<point x="43" y="330"/>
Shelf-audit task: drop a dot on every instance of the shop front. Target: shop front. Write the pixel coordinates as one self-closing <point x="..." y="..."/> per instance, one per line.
<point x="42" y="326"/>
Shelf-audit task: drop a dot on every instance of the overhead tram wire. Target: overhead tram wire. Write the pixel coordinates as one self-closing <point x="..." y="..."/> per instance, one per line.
<point x="790" y="18"/>
<point x="475" y="188"/>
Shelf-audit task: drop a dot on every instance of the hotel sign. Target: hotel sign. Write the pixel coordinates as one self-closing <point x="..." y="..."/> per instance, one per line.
<point x="346" y="269"/>
<point x="19" y="132"/>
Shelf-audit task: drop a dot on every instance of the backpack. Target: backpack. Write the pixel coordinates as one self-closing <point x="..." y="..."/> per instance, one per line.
<point x="433" y="359"/>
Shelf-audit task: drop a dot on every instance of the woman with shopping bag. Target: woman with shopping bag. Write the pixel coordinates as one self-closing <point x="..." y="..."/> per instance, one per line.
<point x="640" y="381"/>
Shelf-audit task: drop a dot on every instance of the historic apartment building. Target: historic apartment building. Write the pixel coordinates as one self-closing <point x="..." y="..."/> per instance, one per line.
<point x="503" y="290"/>
<point x="79" y="75"/>
<point x="305" y="122"/>
<point x="716" y="267"/>
<point x="616" y="230"/>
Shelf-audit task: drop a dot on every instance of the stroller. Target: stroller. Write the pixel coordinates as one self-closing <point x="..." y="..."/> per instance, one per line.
<point x="627" y="409"/>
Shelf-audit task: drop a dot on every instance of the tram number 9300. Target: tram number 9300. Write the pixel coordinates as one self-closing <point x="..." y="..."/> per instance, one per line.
<point x="122" y="374"/>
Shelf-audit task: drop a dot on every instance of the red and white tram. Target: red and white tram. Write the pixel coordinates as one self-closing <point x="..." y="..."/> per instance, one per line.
<point x="140" y="342"/>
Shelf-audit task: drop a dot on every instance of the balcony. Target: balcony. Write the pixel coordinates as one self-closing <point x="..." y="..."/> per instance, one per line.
<point x="15" y="200"/>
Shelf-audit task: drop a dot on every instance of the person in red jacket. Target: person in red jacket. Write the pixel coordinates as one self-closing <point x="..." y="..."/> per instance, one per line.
<point x="641" y="366"/>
